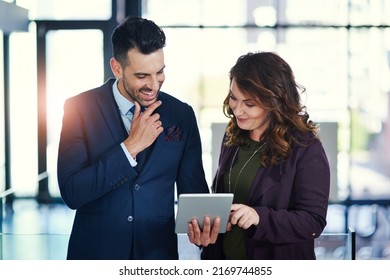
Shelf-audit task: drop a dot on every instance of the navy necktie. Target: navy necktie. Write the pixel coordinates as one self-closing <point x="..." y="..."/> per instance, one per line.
<point x="141" y="155"/>
<point x="132" y="109"/>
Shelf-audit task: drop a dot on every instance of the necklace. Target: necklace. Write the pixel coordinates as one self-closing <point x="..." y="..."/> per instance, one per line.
<point x="242" y="168"/>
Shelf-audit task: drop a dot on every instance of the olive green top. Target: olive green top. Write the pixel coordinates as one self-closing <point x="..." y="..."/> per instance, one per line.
<point x="242" y="175"/>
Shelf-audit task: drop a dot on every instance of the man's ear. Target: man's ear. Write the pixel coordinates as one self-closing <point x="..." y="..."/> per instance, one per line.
<point x="116" y="68"/>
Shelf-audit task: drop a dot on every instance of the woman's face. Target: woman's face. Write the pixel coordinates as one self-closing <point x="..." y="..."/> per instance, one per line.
<point x="248" y="112"/>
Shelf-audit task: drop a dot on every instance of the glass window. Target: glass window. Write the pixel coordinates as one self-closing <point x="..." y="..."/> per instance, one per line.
<point x="195" y="12"/>
<point x="67" y="10"/>
<point x="71" y="69"/>
<point x="23" y="115"/>
<point x="363" y="12"/>
<point x="370" y="117"/>
<point x="315" y="12"/>
<point x="2" y="143"/>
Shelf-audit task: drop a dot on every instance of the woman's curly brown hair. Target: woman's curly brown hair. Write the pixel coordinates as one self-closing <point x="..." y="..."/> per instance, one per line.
<point x="266" y="78"/>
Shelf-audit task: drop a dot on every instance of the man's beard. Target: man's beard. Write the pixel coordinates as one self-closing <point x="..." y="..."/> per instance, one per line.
<point x="133" y="97"/>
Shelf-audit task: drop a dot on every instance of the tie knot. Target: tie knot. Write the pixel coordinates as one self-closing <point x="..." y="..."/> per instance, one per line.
<point x="132" y="109"/>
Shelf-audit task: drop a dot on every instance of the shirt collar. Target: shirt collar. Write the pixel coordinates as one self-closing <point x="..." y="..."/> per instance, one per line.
<point x="123" y="103"/>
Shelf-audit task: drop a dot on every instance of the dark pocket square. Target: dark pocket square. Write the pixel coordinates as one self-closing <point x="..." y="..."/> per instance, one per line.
<point x="173" y="134"/>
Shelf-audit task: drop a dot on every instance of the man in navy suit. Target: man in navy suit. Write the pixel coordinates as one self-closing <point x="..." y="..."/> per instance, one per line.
<point x="123" y="148"/>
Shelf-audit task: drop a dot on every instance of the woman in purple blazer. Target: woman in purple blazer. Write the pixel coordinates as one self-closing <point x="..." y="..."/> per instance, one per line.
<point x="274" y="163"/>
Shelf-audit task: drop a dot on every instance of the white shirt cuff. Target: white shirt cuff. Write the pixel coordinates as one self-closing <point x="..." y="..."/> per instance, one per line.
<point x="131" y="160"/>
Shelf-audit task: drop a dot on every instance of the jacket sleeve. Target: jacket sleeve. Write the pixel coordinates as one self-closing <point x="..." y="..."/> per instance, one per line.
<point x="90" y="162"/>
<point x="305" y="186"/>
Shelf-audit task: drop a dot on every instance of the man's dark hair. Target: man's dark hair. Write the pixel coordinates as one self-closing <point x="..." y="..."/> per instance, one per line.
<point x="136" y="32"/>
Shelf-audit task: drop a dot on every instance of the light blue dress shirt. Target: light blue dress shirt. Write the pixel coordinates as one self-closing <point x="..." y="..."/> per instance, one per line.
<point x="124" y="106"/>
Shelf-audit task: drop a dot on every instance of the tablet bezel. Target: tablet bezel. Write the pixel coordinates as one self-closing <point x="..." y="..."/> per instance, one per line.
<point x="199" y="205"/>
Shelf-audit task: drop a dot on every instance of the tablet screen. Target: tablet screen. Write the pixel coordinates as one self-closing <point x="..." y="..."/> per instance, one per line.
<point x="199" y="205"/>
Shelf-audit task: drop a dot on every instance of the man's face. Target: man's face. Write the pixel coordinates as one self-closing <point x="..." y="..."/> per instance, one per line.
<point x="143" y="76"/>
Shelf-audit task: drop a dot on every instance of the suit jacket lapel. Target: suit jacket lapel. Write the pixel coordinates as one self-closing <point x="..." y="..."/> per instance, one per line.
<point x="110" y="112"/>
<point x="153" y="152"/>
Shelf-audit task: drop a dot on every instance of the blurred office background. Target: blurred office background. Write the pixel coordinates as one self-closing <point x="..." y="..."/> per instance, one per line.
<point x="339" y="49"/>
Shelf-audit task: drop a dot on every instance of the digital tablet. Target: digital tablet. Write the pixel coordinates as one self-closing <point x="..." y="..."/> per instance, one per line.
<point x="199" y="205"/>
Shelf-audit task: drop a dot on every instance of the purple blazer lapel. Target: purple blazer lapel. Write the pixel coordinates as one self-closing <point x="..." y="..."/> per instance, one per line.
<point x="264" y="180"/>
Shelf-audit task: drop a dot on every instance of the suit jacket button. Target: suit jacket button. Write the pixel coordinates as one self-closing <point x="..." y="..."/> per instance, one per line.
<point x="130" y="219"/>
<point x="137" y="187"/>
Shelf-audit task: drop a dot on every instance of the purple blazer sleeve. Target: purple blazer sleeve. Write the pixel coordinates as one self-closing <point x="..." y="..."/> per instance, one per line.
<point x="292" y="198"/>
